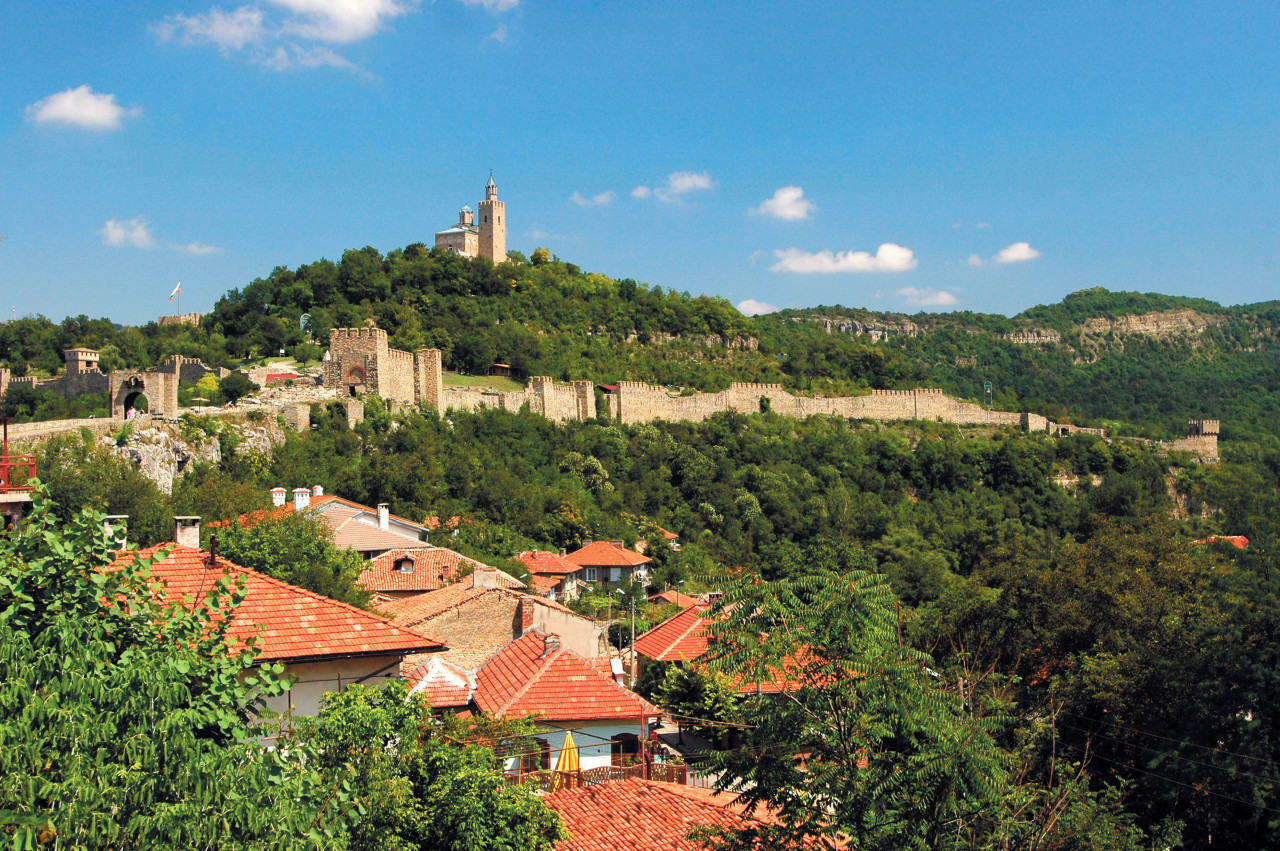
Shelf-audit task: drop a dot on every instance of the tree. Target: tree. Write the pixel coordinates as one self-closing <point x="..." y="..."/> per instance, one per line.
<point x="295" y="548"/>
<point x="425" y="783"/>
<point x="863" y="740"/>
<point x="125" y="719"/>
<point x="236" y="386"/>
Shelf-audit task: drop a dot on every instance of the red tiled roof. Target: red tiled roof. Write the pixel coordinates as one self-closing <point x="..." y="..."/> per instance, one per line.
<point x="675" y="598"/>
<point x="442" y="683"/>
<point x="606" y="554"/>
<point x="543" y="584"/>
<point x="412" y="611"/>
<point x="282" y="376"/>
<point x="1240" y="542"/>
<point x="680" y="638"/>
<point x="643" y="815"/>
<point x="541" y="561"/>
<point x="670" y="536"/>
<point x="523" y="679"/>
<point x="433" y="568"/>
<point x="291" y="623"/>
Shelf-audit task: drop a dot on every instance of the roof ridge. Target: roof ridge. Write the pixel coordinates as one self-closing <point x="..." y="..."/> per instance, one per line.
<point x="537" y="673"/>
<point x="697" y="621"/>
<point x="176" y="548"/>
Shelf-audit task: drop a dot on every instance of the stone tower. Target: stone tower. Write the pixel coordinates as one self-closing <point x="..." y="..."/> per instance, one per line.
<point x="493" y="224"/>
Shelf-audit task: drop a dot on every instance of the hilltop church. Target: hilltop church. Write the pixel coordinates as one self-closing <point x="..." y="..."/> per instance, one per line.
<point x="489" y="237"/>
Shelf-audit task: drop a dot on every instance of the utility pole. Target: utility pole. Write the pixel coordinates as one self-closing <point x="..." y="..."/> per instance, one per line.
<point x="633" y="640"/>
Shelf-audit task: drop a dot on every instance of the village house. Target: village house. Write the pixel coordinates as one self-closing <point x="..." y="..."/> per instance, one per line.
<point x="609" y="563"/>
<point x="401" y="573"/>
<point x="478" y="620"/>
<point x="324" y="645"/>
<point x="536" y="675"/>
<point x="551" y="574"/>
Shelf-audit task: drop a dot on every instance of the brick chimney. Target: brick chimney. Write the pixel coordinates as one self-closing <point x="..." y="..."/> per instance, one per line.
<point x="186" y="531"/>
<point x="301" y="499"/>
<point x="277" y="496"/>
<point x="384" y="516"/>
<point x="526" y="614"/>
<point x="116" y="528"/>
<point x="550" y="644"/>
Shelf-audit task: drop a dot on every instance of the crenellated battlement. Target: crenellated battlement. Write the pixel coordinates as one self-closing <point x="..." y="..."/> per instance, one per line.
<point x="366" y="332"/>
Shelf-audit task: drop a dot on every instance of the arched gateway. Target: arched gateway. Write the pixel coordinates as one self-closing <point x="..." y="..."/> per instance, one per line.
<point x="156" y="392"/>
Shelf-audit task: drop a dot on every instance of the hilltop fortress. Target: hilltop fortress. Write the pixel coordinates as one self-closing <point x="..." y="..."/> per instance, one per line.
<point x="488" y="238"/>
<point x="360" y="361"/>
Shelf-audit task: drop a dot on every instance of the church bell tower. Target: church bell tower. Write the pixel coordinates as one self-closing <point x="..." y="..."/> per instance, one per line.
<point x="493" y="224"/>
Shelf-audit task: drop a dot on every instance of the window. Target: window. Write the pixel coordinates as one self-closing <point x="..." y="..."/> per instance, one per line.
<point x="405" y="565"/>
<point x="591" y="574"/>
<point x="539" y="760"/>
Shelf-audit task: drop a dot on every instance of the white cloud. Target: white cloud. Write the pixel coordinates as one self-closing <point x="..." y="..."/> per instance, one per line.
<point x="127" y="232"/>
<point x="293" y="38"/>
<point x="228" y="31"/>
<point x="1017" y="253"/>
<point x="641" y="192"/>
<point x="788" y="203"/>
<point x="80" y="107"/>
<point x="197" y="248"/>
<point x="928" y="297"/>
<point x="975" y="260"/>
<point x="500" y="34"/>
<point x="888" y="258"/>
<point x="751" y="307"/>
<point x="339" y="21"/>
<point x="493" y="5"/>
<point x="681" y="183"/>
<point x="594" y="200"/>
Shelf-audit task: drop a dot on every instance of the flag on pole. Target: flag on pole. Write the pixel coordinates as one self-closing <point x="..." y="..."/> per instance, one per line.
<point x="175" y="292"/>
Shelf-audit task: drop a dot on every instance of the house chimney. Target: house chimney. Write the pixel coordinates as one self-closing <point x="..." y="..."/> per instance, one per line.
<point x="484" y="576"/>
<point x="550" y="644"/>
<point x="277" y="496"/>
<point x="526" y="614"/>
<point x="384" y="516"/>
<point x="301" y="499"/>
<point x="186" y="531"/>
<point x="563" y="552"/>
<point x="317" y="490"/>
<point x="116" y="528"/>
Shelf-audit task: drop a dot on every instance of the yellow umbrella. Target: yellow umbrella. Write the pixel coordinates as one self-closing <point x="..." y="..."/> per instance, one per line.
<point x="567" y="765"/>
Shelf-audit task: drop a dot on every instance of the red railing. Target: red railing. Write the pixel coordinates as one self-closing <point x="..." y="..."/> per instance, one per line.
<point x="11" y="464"/>
<point x="551" y="781"/>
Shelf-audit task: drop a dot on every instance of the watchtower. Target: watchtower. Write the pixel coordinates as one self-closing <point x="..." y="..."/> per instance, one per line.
<point x="81" y="361"/>
<point x="493" y="224"/>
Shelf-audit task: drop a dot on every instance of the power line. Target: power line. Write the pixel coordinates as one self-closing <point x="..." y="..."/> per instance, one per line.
<point x="1194" y="788"/>
<point x="1169" y="753"/>
<point x="1169" y="739"/>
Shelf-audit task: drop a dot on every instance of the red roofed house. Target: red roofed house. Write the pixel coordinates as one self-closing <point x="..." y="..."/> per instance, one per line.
<point x="369" y="531"/>
<point x="322" y="643"/>
<point x="1240" y="542"/>
<point x="536" y="675"/>
<point x="553" y="572"/>
<point x="674" y="598"/>
<point x="405" y="572"/>
<point x="683" y="638"/>
<point x="642" y="814"/>
<point x="609" y="563"/>
<point x="478" y="621"/>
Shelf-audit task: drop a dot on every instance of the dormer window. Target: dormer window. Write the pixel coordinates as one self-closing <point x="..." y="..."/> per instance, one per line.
<point x="404" y="565"/>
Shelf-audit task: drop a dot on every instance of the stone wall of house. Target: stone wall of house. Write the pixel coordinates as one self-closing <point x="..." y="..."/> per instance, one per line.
<point x="475" y="629"/>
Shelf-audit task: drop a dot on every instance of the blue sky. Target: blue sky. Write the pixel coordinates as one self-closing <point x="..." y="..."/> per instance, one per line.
<point x="906" y="156"/>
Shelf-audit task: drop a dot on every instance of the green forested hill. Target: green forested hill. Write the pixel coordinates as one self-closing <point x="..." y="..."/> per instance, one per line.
<point x="1143" y="363"/>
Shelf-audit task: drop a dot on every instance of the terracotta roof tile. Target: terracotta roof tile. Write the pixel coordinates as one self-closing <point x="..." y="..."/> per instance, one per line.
<point x="442" y="683"/>
<point x="543" y="584"/>
<point x="291" y="623"/>
<point x="606" y="554"/>
<point x="674" y="598"/>
<point x="524" y="678"/>
<point x="643" y="815"/>
<point x="680" y="638"/>
<point x="540" y="561"/>
<point x="433" y="568"/>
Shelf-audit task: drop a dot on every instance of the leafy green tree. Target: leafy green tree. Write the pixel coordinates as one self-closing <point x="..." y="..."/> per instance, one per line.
<point x="236" y="386"/>
<point x="424" y="783"/>
<point x="297" y="549"/>
<point x="125" y="720"/>
<point x="865" y="741"/>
